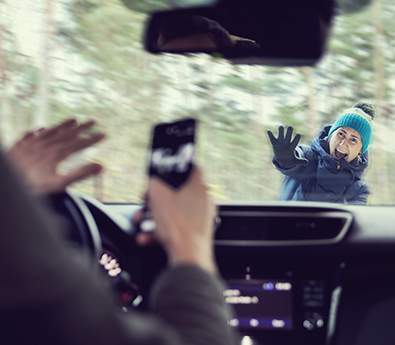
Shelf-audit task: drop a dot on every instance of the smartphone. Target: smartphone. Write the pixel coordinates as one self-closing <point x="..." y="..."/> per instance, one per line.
<point x="173" y="151"/>
<point x="171" y="158"/>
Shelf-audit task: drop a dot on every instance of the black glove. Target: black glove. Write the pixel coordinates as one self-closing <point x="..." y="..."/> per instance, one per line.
<point x="284" y="147"/>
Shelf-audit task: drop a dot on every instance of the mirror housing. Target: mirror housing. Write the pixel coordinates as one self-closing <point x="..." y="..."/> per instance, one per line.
<point x="276" y="32"/>
<point x="147" y="6"/>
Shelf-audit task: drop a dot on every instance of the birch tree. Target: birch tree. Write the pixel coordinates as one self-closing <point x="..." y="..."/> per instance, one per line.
<point x="41" y="116"/>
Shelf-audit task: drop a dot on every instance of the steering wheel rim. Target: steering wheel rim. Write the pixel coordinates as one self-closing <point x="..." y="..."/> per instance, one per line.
<point x="82" y="225"/>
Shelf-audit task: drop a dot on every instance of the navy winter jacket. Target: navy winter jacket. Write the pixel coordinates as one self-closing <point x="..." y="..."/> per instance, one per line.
<point x="320" y="177"/>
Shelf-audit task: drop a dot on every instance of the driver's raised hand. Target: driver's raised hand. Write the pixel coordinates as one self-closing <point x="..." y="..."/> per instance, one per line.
<point x="184" y="221"/>
<point x="284" y="146"/>
<point x="39" y="153"/>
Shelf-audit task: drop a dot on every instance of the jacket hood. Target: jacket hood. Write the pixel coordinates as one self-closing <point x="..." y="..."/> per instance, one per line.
<point x="320" y="145"/>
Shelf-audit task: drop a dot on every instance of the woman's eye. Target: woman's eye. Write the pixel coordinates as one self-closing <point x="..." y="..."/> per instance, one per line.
<point x="340" y="134"/>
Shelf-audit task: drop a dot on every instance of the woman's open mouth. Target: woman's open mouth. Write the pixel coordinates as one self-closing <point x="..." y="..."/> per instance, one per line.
<point x="340" y="155"/>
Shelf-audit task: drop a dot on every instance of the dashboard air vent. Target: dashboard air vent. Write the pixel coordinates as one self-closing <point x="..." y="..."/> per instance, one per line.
<point x="282" y="228"/>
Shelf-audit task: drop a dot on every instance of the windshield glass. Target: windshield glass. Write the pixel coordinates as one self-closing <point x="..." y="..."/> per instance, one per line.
<point x="84" y="59"/>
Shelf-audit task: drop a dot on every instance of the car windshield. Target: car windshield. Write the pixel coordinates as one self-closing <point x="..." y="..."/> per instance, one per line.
<point x="84" y="59"/>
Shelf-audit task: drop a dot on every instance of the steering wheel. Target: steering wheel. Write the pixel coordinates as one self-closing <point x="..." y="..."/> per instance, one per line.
<point x="79" y="213"/>
<point x="80" y="224"/>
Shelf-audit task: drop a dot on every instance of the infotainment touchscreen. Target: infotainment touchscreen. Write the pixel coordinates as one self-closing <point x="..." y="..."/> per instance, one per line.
<point x="261" y="304"/>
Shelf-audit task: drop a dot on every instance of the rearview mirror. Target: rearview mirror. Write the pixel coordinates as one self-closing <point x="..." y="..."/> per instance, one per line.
<point x="278" y="32"/>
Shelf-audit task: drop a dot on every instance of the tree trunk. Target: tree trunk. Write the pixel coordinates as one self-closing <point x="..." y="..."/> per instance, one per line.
<point x="45" y="70"/>
<point x="382" y="121"/>
<point x="311" y="102"/>
<point x="2" y="86"/>
<point x="5" y="86"/>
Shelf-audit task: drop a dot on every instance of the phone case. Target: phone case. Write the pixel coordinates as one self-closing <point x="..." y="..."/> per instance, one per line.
<point x="173" y="151"/>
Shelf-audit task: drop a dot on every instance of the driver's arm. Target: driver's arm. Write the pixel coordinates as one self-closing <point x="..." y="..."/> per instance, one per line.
<point x="189" y="297"/>
<point x="49" y="295"/>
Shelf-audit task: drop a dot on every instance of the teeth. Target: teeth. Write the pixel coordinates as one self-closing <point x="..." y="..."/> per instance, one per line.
<point x="340" y="155"/>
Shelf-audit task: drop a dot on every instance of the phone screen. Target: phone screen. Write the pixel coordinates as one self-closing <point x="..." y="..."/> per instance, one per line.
<point x="173" y="151"/>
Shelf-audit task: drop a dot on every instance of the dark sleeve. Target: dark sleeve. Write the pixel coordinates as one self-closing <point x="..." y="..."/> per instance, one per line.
<point x="304" y="167"/>
<point x="191" y="301"/>
<point x="361" y="198"/>
<point x="51" y="295"/>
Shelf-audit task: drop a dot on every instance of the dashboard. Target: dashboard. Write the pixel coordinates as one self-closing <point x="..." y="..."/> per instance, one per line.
<point x="295" y="273"/>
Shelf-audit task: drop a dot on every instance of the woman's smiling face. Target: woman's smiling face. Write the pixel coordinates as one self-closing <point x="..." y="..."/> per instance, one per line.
<point x="345" y="143"/>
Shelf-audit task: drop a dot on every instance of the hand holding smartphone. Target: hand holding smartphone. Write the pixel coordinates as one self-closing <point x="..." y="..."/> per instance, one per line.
<point x="171" y="159"/>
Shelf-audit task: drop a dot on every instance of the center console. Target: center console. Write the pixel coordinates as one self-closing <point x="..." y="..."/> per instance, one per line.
<point x="282" y="281"/>
<point x="281" y="308"/>
<point x="289" y="308"/>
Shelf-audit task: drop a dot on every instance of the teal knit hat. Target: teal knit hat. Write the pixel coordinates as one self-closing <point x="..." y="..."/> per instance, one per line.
<point x="358" y="120"/>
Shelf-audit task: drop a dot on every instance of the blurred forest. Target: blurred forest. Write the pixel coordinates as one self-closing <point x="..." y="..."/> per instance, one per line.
<point x="83" y="58"/>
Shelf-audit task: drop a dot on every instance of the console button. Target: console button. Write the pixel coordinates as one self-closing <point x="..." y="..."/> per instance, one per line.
<point x="313" y="304"/>
<point x="313" y="321"/>
<point x="313" y="293"/>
